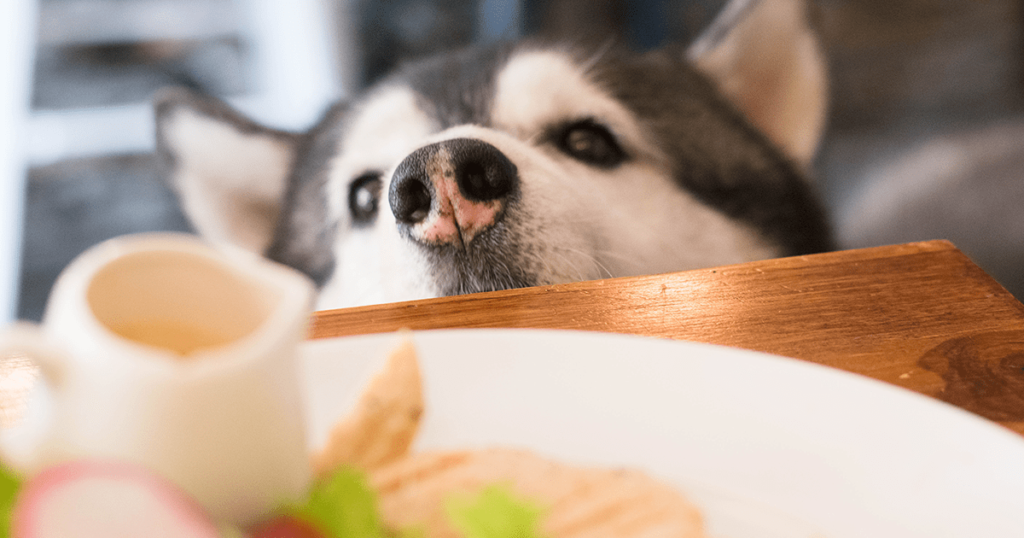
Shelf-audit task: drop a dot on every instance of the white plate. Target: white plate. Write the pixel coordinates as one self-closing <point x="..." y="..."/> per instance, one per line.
<point x="767" y="446"/>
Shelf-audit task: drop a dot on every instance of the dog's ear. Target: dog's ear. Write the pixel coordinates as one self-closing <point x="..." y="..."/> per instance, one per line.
<point x="229" y="173"/>
<point x="764" y="56"/>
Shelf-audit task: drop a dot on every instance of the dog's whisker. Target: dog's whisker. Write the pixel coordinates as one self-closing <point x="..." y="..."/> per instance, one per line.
<point x="617" y="256"/>
<point x="592" y="258"/>
<point x="580" y="255"/>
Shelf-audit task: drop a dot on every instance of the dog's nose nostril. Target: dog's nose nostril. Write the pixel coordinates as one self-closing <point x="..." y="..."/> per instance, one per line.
<point x="483" y="172"/>
<point x="410" y="198"/>
<point x="473" y="180"/>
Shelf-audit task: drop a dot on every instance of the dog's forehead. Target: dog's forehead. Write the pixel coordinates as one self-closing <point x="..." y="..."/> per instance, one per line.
<point x="457" y="88"/>
<point x="537" y="89"/>
<point x="522" y="91"/>
<point x="391" y="121"/>
<point x="399" y="113"/>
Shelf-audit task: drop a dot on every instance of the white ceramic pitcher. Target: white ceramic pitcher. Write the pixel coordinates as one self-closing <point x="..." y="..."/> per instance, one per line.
<point x="161" y="350"/>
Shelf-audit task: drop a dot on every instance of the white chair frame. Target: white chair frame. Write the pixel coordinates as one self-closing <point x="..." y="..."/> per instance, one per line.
<point x="17" y="38"/>
<point x="296" y="63"/>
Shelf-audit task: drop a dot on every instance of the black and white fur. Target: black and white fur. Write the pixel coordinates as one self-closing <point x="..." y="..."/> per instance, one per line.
<point x="525" y="164"/>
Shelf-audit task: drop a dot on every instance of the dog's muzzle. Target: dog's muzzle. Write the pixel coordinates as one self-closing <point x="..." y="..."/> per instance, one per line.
<point x="449" y="192"/>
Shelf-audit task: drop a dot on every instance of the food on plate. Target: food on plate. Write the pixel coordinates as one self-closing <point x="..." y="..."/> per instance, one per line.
<point x="417" y="490"/>
<point x="106" y="499"/>
<point x="345" y="506"/>
<point x="385" y="420"/>
<point x="369" y="485"/>
<point x="573" y="501"/>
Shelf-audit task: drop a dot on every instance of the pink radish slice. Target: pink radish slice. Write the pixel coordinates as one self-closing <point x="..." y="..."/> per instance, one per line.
<point x="87" y="499"/>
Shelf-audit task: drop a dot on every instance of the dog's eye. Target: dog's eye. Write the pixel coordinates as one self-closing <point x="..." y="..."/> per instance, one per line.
<point x="592" y="143"/>
<point x="363" y="197"/>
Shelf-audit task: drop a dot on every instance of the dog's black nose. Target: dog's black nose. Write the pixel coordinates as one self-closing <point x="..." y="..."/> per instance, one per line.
<point x="480" y="171"/>
<point x="463" y="180"/>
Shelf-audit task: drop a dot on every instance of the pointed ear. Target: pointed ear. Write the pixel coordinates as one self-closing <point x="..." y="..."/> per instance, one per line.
<point x="229" y="173"/>
<point x="764" y="56"/>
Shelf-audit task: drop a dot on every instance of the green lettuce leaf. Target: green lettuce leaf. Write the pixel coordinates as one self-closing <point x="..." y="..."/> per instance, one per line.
<point x="10" y="484"/>
<point x="495" y="513"/>
<point x="343" y="506"/>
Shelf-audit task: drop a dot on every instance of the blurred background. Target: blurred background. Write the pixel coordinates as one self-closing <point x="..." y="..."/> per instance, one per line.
<point x="925" y="141"/>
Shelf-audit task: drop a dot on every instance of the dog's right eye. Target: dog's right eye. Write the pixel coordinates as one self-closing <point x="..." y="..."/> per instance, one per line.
<point x="590" y="142"/>
<point x="364" y="197"/>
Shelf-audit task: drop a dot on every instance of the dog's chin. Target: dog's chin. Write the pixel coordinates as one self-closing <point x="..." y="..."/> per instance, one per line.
<point x="492" y="261"/>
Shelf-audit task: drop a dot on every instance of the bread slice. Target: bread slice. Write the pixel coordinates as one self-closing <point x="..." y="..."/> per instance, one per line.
<point x="384" y="422"/>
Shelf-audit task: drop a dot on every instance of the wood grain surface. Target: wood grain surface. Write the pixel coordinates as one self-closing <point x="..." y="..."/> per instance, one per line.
<point x="919" y="315"/>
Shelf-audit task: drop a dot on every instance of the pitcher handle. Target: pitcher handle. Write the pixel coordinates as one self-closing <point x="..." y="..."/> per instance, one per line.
<point x="28" y="339"/>
<point x="19" y="443"/>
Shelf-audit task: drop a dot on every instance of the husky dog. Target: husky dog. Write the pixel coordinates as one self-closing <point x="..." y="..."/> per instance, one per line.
<point x="525" y="164"/>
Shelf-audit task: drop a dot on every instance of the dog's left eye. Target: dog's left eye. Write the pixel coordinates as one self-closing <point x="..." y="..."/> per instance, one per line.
<point x="363" y="197"/>
<point x="592" y="143"/>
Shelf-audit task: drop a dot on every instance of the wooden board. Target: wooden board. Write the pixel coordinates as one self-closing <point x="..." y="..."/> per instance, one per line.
<point x="920" y="315"/>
